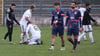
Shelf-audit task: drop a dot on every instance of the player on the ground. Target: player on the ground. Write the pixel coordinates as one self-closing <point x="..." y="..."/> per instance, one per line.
<point x="23" y="22"/>
<point x="72" y="24"/>
<point x="82" y="10"/>
<point x="57" y="25"/>
<point x="36" y="35"/>
<point x="87" y="24"/>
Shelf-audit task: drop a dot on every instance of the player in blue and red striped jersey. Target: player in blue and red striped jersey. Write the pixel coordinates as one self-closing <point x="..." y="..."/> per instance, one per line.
<point x="57" y="25"/>
<point x="72" y="24"/>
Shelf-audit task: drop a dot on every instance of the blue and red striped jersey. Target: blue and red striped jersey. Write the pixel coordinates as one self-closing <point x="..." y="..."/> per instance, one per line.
<point x="57" y="14"/>
<point x="73" y="17"/>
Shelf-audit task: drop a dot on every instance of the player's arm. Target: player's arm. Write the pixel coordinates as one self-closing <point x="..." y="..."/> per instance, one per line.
<point x="67" y="18"/>
<point x="52" y="20"/>
<point x="27" y="18"/>
<point x="92" y="18"/>
<point x="16" y="21"/>
<point x="79" y="17"/>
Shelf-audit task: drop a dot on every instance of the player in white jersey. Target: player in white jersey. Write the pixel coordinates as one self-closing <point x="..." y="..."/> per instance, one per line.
<point x="36" y="34"/>
<point x="23" y="22"/>
<point x="82" y="10"/>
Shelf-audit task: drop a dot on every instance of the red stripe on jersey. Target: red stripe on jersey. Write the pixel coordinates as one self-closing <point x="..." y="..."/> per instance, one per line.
<point x="62" y="14"/>
<point x="67" y="16"/>
<point x="79" y="17"/>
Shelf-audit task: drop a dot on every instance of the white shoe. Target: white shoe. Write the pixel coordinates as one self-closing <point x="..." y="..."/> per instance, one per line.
<point x="51" y="48"/>
<point x="62" y="48"/>
<point x="11" y="43"/>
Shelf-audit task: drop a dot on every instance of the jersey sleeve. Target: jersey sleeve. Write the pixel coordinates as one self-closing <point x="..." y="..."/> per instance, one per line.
<point x="67" y="18"/>
<point x="79" y="17"/>
<point x="52" y="18"/>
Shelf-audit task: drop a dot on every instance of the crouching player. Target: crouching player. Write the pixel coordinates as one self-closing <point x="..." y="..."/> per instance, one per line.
<point x="36" y="35"/>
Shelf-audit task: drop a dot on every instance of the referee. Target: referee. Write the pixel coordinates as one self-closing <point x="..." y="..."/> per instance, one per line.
<point x="9" y="22"/>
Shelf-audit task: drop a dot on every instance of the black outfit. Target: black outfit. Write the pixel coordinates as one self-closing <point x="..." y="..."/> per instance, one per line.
<point x="87" y="18"/>
<point x="9" y="22"/>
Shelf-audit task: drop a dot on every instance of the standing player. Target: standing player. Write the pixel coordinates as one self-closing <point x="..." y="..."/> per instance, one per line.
<point x="57" y="25"/>
<point x="36" y="34"/>
<point x="82" y="10"/>
<point x="23" y="22"/>
<point x="87" y="24"/>
<point x="9" y="22"/>
<point x="72" y="24"/>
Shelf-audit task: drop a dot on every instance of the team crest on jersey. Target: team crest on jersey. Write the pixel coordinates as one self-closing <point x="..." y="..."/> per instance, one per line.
<point x="75" y="12"/>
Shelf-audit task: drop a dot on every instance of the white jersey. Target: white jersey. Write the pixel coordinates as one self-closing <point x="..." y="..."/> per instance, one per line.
<point x="28" y="14"/>
<point x="82" y="10"/>
<point x="35" y="31"/>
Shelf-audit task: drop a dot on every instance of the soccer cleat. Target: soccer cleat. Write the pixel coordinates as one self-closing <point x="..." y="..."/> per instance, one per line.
<point x="62" y="48"/>
<point x="51" y="48"/>
<point x="11" y="43"/>
<point x="73" y="50"/>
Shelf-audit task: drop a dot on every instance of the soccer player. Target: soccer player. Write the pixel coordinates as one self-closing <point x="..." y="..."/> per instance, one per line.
<point x="9" y="22"/>
<point x="82" y="10"/>
<point x="57" y="25"/>
<point x="36" y="35"/>
<point x="87" y="24"/>
<point x="23" y="22"/>
<point x="72" y="24"/>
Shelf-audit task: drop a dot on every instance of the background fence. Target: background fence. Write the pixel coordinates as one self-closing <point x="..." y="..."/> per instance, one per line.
<point x="42" y="12"/>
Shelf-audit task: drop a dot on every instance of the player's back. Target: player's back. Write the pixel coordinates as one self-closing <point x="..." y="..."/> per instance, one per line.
<point x="34" y="29"/>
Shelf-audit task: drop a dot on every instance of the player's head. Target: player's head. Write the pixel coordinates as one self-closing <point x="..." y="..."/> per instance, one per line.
<point x="57" y="5"/>
<point x="88" y="6"/>
<point x="32" y="7"/>
<point x="79" y="4"/>
<point x="13" y="6"/>
<point x="73" y="5"/>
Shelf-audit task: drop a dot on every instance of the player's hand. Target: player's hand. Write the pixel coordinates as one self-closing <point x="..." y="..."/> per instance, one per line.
<point x="51" y="27"/>
<point x="65" y="28"/>
<point x="55" y="22"/>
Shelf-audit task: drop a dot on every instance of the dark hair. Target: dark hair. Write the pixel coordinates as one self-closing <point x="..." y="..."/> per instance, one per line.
<point x="32" y="6"/>
<point x="13" y="4"/>
<point x="73" y="2"/>
<point x="87" y="4"/>
<point x="78" y="3"/>
<point x="56" y="3"/>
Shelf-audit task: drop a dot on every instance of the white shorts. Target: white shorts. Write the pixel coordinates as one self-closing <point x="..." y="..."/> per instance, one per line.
<point x="23" y="28"/>
<point x="87" y="28"/>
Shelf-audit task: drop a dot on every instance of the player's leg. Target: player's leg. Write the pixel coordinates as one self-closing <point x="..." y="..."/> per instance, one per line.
<point x="22" y="37"/>
<point x="69" y="34"/>
<point x="5" y="37"/>
<point x="61" y="33"/>
<point x="54" y="34"/>
<point x="81" y="36"/>
<point x="91" y="34"/>
<point x="75" y="33"/>
<point x="10" y="34"/>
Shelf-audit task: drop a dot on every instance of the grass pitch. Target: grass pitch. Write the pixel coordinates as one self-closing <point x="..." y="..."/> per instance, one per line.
<point x="84" y="49"/>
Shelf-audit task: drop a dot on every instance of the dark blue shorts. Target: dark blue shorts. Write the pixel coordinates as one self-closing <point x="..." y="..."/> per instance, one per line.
<point x="74" y="31"/>
<point x="58" y="29"/>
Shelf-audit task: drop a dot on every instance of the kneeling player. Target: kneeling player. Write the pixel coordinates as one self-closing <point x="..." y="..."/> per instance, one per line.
<point x="36" y="35"/>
